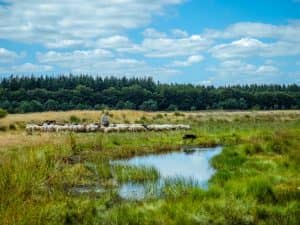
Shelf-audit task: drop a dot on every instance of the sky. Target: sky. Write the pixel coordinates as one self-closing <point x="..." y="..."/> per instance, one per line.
<point x="205" y="42"/>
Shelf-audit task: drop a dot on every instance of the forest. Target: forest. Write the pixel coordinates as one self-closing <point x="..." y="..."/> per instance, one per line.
<point x="20" y="94"/>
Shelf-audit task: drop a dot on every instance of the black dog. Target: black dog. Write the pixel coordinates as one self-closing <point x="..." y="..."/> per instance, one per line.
<point x="189" y="137"/>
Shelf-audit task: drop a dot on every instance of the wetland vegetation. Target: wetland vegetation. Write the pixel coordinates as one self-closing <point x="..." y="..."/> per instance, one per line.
<point x="68" y="178"/>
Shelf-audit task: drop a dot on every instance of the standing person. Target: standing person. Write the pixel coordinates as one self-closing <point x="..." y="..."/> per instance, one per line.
<point x="105" y="120"/>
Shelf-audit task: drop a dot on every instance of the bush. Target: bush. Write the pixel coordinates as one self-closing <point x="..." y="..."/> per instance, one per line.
<point x="74" y="119"/>
<point x="12" y="126"/>
<point x="3" y="128"/>
<point x="178" y="113"/>
<point x="3" y="113"/>
<point x="262" y="190"/>
<point x="254" y="148"/>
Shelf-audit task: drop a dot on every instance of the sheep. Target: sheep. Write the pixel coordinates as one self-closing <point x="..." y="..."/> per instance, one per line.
<point x="110" y="129"/>
<point x="159" y="127"/>
<point x="91" y="127"/>
<point x="122" y="127"/>
<point x="32" y="127"/>
<point x="167" y="127"/>
<point x="46" y="127"/>
<point x="62" y="128"/>
<point x="77" y="128"/>
<point x="136" y="128"/>
<point x="183" y="127"/>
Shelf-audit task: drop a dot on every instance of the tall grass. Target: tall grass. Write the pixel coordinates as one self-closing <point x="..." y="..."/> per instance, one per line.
<point x="256" y="181"/>
<point x="134" y="174"/>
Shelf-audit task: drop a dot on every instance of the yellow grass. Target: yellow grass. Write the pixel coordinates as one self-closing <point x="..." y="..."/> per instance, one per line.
<point x="21" y="139"/>
<point x="132" y="115"/>
<point x="17" y="138"/>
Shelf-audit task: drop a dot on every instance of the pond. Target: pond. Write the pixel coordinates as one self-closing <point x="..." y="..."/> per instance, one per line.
<point x="190" y="165"/>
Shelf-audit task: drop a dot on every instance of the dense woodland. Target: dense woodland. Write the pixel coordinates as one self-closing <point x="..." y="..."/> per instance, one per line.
<point x="44" y="93"/>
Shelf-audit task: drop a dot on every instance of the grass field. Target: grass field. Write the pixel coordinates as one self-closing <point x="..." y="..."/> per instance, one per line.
<point x="257" y="179"/>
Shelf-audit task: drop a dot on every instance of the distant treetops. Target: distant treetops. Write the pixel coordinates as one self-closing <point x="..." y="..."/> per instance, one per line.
<point x="45" y="93"/>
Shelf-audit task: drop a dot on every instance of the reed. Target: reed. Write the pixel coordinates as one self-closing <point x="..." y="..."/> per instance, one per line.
<point x="256" y="181"/>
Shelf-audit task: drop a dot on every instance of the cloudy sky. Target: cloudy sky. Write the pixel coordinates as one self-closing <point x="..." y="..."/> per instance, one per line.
<point x="217" y="42"/>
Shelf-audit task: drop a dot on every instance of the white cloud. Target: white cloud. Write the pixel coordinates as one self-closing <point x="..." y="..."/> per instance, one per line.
<point x="75" y="58"/>
<point x="72" y="22"/>
<point x="89" y="61"/>
<point x="102" y="62"/>
<point x="119" y="43"/>
<point x="65" y="43"/>
<point x="116" y="41"/>
<point x="152" y="33"/>
<point x="247" y="47"/>
<point x="26" y="68"/>
<point x="189" y="61"/>
<point x="289" y="32"/>
<point x="232" y="72"/>
<point x="157" y="44"/>
<point x="240" y="48"/>
<point x="267" y="69"/>
<point x="172" y="47"/>
<point x="237" y="67"/>
<point x="7" y="56"/>
<point x="100" y="26"/>
<point x="179" y="33"/>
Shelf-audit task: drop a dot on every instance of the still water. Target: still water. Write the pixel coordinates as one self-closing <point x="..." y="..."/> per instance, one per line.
<point x="191" y="165"/>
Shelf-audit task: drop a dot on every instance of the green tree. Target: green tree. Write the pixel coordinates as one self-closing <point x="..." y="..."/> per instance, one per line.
<point x="149" y="105"/>
<point x="51" y="105"/>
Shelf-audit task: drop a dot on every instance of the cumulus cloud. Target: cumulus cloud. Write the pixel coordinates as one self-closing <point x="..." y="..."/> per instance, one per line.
<point x="89" y="37"/>
<point x="289" y="32"/>
<point x="7" y="56"/>
<point x="179" y="33"/>
<point x="247" y="47"/>
<point x="152" y="33"/>
<point x="189" y="61"/>
<point x="26" y="68"/>
<point x="158" y="45"/>
<point x="119" y="43"/>
<point x="104" y="63"/>
<point x="116" y="41"/>
<point x="267" y="69"/>
<point x="55" y="23"/>
<point x="231" y="72"/>
<point x="238" y="67"/>
<point x="75" y="58"/>
<point x="89" y="61"/>
<point x="172" y="47"/>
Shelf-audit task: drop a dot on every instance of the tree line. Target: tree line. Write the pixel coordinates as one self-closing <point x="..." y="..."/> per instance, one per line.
<point x="66" y="92"/>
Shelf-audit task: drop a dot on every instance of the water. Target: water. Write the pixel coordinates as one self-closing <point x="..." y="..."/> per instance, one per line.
<point x="192" y="165"/>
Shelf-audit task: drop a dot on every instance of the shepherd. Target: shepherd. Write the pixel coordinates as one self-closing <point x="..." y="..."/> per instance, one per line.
<point x="105" y="120"/>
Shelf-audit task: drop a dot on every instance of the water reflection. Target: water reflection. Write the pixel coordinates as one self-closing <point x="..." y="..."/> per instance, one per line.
<point x="192" y="165"/>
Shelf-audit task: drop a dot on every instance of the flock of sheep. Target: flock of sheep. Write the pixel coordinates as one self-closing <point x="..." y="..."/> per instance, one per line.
<point x="46" y="127"/>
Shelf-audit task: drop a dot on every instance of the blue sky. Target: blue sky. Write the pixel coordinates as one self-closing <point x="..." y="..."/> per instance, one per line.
<point x="219" y="42"/>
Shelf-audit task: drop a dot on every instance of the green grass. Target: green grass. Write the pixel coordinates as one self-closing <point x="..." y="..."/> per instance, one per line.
<point x="134" y="174"/>
<point x="257" y="179"/>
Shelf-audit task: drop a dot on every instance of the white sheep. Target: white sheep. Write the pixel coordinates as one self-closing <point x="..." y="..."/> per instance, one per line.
<point x="136" y="128"/>
<point x="113" y="128"/>
<point x="32" y="127"/>
<point x="91" y="127"/>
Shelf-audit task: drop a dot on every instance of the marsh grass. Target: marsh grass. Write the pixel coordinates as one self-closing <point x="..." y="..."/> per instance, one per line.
<point x="256" y="181"/>
<point x="134" y="174"/>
